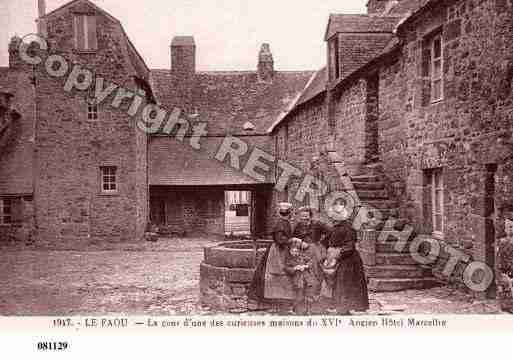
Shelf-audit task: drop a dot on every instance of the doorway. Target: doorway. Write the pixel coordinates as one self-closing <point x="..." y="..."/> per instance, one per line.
<point x="238" y="212"/>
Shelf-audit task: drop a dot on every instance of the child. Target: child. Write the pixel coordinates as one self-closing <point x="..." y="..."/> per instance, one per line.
<point x="329" y="267"/>
<point x="299" y="268"/>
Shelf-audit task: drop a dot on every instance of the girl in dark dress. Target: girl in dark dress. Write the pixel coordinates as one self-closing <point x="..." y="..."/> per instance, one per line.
<point x="350" y="287"/>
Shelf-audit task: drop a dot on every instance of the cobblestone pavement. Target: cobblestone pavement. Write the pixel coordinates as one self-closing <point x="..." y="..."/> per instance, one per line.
<point x="146" y="278"/>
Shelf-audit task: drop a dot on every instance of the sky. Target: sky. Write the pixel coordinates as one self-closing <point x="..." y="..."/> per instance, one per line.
<point x="228" y="33"/>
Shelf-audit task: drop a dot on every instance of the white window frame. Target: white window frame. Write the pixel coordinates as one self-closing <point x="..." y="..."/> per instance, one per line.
<point x="6" y="214"/>
<point x="437" y="191"/>
<point x="109" y="179"/>
<point x="434" y="61"/>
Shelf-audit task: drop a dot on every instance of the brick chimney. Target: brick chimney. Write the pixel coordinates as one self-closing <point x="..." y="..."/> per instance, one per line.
<point x="380" y="7"/>
<point x="265" y="64"/>
<point x="183" y="56"/>
<point x="41" y="11"/>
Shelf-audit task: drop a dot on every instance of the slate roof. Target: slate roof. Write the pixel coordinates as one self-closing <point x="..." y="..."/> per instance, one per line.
<point x="407" y="6"/>
<point x="228" y="100"/>
<point x="315" y="87"/>
<point x="360" y="24"/>
<point x="173" y="163"/>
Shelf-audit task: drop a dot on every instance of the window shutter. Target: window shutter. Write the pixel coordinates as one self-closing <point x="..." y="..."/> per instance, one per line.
<point x="79" y="32"/>
<point x="92" y="33"/>
<point x="17" y="210"/>
<point x="426" y="61"/>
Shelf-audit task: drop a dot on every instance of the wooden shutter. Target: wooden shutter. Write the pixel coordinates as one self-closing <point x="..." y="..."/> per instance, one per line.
<point x="79" y="32"/>
<point x="92" y="36"/>
<point x="426" y="60"/>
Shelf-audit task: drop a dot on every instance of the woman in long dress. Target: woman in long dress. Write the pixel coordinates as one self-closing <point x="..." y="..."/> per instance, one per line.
<point x="350" y="286"/>
<point x="271" y="284"/>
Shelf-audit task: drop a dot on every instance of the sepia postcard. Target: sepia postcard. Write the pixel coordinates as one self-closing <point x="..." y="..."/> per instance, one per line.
<point x="241" y="166"/>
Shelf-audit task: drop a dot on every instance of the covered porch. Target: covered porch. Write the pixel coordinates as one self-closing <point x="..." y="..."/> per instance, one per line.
<point x="222" y="210"/>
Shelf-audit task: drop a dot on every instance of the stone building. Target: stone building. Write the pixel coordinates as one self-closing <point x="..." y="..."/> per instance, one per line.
<point x="414" y="107"/>
<point x="417" y="103"/>
<point x="70" y="168"/>
<point x="187" y="186"/>
<point x="74" y="169"/>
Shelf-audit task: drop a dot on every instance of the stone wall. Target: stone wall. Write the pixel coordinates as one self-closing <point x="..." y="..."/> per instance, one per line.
<point x="192" y="210"/>
<point x="466" y="134"/>
<point x="350" y="113"/>
<point x="300" y="142"/>
<point x="17" y="147"/>
<point x="71" y="148"/>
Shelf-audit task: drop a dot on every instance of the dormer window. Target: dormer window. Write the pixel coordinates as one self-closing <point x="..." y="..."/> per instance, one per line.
<point x="85" y="33"/>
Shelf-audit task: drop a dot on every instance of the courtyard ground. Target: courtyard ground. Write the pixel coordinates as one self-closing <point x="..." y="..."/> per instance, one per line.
<point x="147" y="278"/>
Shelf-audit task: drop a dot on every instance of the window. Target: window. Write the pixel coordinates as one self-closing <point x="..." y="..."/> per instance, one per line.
<point x="109" y="179"/>
<point x="437" y="202"/>
<point x="437" y="69"/>
<point x="85" y="33"/>
<point x="6" y="211"/>
<point x="92" y="111"/>
<point x="432" y="68"/>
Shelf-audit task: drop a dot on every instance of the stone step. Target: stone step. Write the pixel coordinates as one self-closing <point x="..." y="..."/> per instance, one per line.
<point x="360" y="185"/>
<point x="397" y="271"/>
<point x="372" y="194"/>
<point x="391" y="236"/>
<point x="370" y="168"/>
<point x="381" y="203"/>
<point x="366" y="178"/>
<point x="388" y="212"/>
<point x="398" y="284"/>
<point x="397" y="224"/>
<point x="389" y="247"/>
<point x="394" y="259"/>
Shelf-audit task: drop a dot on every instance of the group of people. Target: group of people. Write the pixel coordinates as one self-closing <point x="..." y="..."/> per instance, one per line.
<point x="313" y="267"/>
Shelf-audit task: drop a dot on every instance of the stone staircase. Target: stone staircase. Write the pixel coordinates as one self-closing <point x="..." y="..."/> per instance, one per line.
<point x="387" y="268"/>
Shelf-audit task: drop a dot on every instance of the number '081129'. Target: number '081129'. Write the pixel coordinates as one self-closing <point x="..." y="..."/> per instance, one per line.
<point x="52" y="346"/>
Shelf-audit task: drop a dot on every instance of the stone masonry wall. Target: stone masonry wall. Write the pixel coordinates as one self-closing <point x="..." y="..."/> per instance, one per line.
<point x="300" y="142"/>
<point x="71" y="148"/>
<point x="466" y="134"/>
<point x="350" y="115"/>
<point x="191" y="210"/>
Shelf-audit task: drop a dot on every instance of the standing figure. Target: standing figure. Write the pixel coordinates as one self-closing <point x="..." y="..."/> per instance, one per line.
<point x="350" y="286"/>
<point x="299" y="267"/>
<point x="316" y="234"/>
<point x="271" y="282"/>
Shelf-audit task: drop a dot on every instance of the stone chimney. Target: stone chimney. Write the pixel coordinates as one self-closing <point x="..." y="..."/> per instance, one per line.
<point x="380" y="7"/>
<point x="14" y="53"/>
<point x="183" y="56"/>
<point x="265" y="64"/>
<point x="41" y="12"/>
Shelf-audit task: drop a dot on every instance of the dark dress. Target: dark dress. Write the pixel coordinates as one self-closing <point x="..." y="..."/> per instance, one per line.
<point x="282" y="232"/>
<point x="350" y="289"/>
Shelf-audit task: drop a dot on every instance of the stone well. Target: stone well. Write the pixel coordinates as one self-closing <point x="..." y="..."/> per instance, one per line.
<point x="226" y="273"/>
